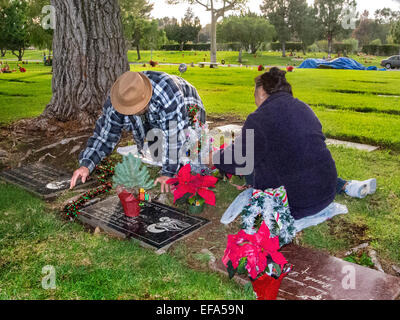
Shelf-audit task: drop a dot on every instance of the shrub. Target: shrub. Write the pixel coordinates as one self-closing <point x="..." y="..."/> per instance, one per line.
<point x="376" y="42"/>
<point x="290" y="46"/>
<point x="381" y="50"/>
<point x="313" y="48"/>
<point x="323" y="45"/>
<point x="187" y="47"/>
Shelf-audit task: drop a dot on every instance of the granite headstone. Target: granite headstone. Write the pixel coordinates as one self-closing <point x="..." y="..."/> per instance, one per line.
<point x="157" y="226"/>
<point x="41" y="179"/>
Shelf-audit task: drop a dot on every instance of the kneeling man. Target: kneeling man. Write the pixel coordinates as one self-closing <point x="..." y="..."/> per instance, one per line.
<point x="140" y="102"/>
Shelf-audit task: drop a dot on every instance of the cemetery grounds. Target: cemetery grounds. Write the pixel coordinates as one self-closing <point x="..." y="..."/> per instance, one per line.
<point x="358" y="106"/>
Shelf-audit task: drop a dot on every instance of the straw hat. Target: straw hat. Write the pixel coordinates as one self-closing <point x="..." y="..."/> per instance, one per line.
<point x="131" y="93"/>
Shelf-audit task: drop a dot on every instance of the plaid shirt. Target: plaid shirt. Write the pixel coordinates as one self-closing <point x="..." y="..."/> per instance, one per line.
<point x="171" y="97"/>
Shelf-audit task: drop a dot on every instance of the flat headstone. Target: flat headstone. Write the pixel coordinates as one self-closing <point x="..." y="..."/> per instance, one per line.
<point x="229" y="129"/>
<point x="41" y="179"/>
<point x="352" y="145"/>
<point x="236" y="130"/>
<point x="319" y="276"/>
<point x="157" y="226"/>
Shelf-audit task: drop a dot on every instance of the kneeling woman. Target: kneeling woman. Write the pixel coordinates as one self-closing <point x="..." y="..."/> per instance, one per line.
<point x="290" y="150"/>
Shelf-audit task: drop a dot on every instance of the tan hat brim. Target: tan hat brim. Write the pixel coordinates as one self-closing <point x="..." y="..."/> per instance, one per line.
<point x="130" y="110"/>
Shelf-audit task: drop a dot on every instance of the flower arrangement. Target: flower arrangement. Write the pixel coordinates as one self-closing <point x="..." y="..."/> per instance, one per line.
<point x="197" y="186"/>
<point x="153" y="63"/>
<point x="131" y="178"/>
<point x="257" y="256"/>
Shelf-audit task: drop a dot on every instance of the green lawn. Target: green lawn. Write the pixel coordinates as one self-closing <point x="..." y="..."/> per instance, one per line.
<point x="231" y="57"/>
<point x="89" y="266"/>
<point x="96" y="266"/>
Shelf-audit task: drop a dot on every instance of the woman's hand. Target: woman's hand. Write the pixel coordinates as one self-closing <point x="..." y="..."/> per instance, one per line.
<point x="163" y="181"/>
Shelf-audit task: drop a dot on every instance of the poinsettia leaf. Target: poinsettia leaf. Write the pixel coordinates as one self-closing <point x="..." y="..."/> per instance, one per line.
<point x="241" y="269"/>
<point x="231" y="270"/>
<point x="207" y="195"/>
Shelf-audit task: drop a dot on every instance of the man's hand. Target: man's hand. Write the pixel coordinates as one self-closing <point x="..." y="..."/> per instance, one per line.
<point x="81" y="172"/>
<point x="164" y="186"/>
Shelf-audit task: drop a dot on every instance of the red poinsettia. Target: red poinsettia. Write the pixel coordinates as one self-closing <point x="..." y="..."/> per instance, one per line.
<point x="199" y="185"/>
<point x="255" y="248"/>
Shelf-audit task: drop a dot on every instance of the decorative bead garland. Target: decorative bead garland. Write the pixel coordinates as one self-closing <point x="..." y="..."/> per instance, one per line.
<point x="104" y="172"/>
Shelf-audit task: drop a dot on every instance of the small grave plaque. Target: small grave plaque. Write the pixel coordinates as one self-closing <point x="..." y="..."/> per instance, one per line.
<point x="319" y="276"/>
<point x="157" y="226"/>
<point x="40" y="179"/>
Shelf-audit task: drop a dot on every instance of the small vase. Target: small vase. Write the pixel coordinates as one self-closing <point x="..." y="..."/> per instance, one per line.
<point x="196" y="209"/>
<point x="130" y="204"/>
<point x="266" y="287"/>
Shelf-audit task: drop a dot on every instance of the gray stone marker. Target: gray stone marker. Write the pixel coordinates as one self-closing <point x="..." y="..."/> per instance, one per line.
<point x="42" y="180"/>
<point x="236" y="130"/>
<point x="157" y="226"/>
<point x="318" y="276"/>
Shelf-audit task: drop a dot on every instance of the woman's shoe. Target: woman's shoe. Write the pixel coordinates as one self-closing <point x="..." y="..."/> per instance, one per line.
<point x="360" y="189"/>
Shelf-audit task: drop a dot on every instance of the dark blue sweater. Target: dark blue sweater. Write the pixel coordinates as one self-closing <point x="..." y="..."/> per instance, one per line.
<point x="290" y="151"/>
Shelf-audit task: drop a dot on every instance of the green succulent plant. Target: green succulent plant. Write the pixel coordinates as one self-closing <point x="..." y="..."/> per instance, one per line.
<point x="131" y="173"/>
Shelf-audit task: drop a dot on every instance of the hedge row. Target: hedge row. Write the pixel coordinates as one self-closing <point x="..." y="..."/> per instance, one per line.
<point x="187" y="47"/>
<point x="381" y="50"/>
<point x="290" y="46"/>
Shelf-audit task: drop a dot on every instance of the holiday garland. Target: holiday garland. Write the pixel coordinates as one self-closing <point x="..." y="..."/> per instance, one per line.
<point x="272" y="207"/>
<point x="104" y="171"/>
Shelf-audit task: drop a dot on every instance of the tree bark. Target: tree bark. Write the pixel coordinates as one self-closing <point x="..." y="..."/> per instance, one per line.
<point x="89" y="54"/>
<point x="240" y="55"/>
<point x="283" y="49"/>
<point x="138" y="52"/>
<point x="213" y="52"/>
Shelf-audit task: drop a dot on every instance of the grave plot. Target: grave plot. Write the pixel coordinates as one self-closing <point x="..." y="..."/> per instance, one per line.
<point x="157" y="226"/>
<point x="42" y="180"/>
<point x="318" y="276"/>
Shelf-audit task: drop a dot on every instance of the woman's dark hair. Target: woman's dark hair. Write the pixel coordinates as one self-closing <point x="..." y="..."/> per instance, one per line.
<point x="274" y="81"/>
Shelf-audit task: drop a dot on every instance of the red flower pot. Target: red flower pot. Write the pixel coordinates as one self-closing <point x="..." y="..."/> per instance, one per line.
<point x="130" y="204"/>
<point x="267" y="287"/>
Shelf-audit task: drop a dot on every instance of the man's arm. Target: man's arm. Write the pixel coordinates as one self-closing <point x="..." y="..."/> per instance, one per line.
<point x="106" y="136"/>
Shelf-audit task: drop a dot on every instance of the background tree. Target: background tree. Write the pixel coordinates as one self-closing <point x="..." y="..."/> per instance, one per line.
<point x="217" y="9"/>
<point x="369" y="30"/>
<point x="135" y="19"/>
<point x="250" y="30"/>
<point x="153" y="37"/>
<point x="186" y="31"/>
<point x="278" y="13"/>
<point x="89" y="54"/>
<point x="303" y="23"/>
<point x="15" y="27"/>
<point x="39" y="37"/>
<point x="205" y="34"/>
<point x="395" y="32"/>
<point x="3" y="42"/>
<point x="330" y="17"/>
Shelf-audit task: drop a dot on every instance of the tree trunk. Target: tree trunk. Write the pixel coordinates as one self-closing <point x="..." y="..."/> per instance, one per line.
<point x="283" y="49"/>
<point x="138" y="52"/>
<point x="240" y="54"/>
<point x="213" y="52"/>
<point x="3" y="52"/>
<point x="89" y="54"/>
<point x="329" y="46"/>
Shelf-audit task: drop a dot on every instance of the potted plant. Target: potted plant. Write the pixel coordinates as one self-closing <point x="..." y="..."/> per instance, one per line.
<point x="196" y="186"/>
<point x="257" y="256"/>
<point x="131" y="176"/>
